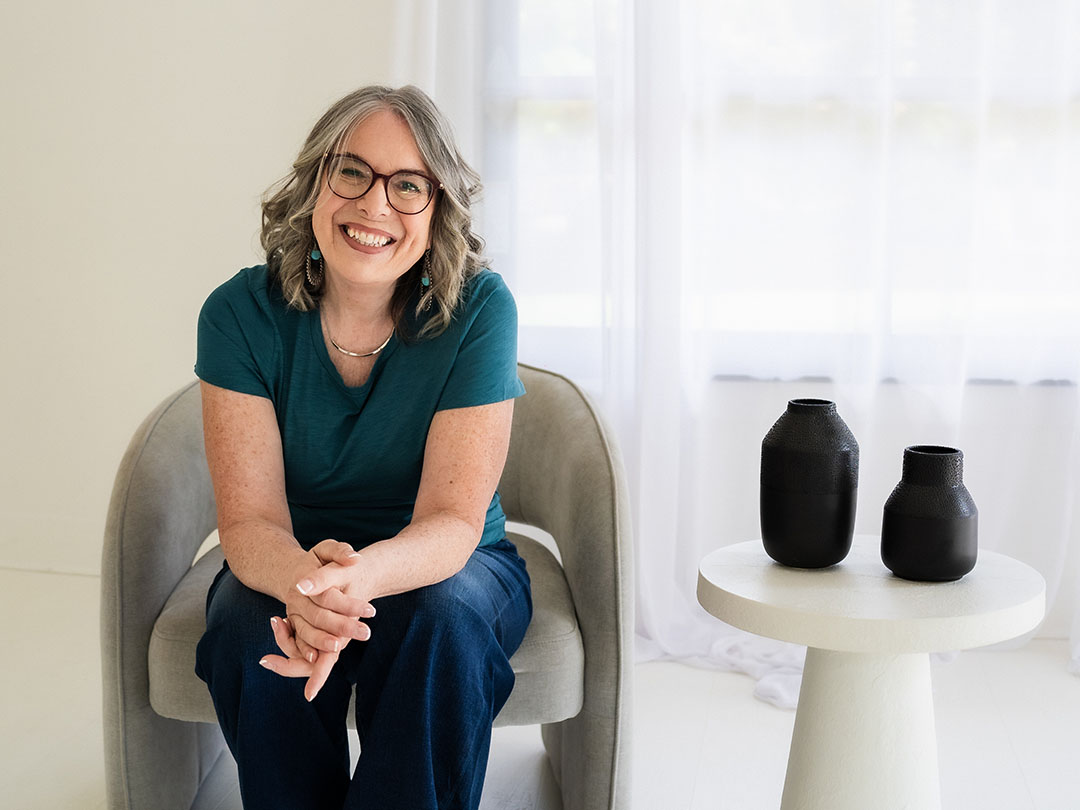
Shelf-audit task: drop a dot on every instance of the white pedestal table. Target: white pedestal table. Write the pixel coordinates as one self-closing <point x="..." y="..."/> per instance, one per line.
<point x="864" y="730"/>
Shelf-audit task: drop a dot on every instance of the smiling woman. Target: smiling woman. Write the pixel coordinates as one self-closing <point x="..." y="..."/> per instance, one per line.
<point x="365" y="242"/>
<point x="328" y="168"/>
<point x="357" y="397"/>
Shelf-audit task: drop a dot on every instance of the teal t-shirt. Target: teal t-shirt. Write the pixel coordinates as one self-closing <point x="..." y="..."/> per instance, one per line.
<point x="353" y="456"/>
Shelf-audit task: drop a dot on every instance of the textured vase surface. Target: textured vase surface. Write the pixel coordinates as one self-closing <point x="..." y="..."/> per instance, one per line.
<point x="809" y="485"/>
<point x="930" y="526"/>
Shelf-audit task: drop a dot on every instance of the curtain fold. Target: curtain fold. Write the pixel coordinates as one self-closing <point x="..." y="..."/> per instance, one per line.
<point x="439" y="47"/>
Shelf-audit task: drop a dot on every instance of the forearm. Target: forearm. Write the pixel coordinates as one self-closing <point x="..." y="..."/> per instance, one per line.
<point x="265" y="556"/>
<point x="428" y="550"/>
<point x="463" y="459"/>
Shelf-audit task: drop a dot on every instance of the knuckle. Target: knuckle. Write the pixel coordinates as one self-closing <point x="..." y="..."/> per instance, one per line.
<point x="343" y="626"/>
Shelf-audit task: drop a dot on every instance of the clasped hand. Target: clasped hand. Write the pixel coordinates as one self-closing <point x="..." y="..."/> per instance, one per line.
<point x="324" y="613"/>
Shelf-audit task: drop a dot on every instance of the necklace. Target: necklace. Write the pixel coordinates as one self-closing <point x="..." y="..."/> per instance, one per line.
<point x="372" y="353"/>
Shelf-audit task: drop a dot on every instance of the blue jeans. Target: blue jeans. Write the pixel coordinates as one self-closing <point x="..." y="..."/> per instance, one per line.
<point x="428" y="682"/>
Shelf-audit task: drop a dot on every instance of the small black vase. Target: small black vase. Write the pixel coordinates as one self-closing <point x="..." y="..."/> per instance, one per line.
<point x="930" y="528"/>
<point x="809" y="484"/>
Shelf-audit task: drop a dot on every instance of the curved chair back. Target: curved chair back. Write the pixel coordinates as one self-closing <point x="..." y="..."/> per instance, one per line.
<point x="564" y="474"/>
<point x="162" y="490"/>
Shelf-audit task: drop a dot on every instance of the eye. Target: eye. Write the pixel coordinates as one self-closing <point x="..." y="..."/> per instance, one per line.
<point x="410" y="185"/>
<point x="353" y="171"/>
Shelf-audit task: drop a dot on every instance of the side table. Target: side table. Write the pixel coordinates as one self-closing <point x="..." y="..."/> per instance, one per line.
<point x="864" y="732"/>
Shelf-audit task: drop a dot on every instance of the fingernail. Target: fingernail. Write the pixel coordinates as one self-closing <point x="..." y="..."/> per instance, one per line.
<point x="355" y="554"/>
<point x="262" y="662"/>
<point x="336" y="645"/>
<point x="305" y="586"/>
<point x="311" y="657"/>
<point x="273" y="621"/>
<point x="365" y="633"/>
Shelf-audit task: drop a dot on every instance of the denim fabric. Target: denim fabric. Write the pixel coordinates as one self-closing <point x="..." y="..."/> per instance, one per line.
<point x="429" y="683"/>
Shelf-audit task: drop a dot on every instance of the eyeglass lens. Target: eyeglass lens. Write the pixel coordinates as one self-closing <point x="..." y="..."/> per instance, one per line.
<point x="351" y="178"/>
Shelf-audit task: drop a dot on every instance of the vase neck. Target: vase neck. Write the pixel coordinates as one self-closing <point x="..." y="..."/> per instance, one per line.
<point x="811" y="407"/>
<point x="932" y="465"/>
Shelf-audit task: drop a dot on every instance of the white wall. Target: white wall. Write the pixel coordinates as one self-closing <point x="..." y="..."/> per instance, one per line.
<point x="137" y="137"/>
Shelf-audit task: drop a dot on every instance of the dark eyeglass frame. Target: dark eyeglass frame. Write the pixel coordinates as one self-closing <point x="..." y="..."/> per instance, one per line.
<point x="330" y="157"/>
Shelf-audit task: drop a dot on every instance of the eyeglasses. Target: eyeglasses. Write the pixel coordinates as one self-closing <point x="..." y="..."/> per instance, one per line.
<point x="351" y="178"/>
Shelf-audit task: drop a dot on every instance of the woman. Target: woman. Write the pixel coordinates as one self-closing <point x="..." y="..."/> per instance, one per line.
<point x="357" y="398"/>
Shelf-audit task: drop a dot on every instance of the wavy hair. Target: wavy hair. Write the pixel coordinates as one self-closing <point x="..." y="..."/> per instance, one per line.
<point x="287" y="207"/>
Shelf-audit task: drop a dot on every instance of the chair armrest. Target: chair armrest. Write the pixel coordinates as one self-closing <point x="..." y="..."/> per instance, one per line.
<point x="162" y="508"/>
<point x="564" y="474"/>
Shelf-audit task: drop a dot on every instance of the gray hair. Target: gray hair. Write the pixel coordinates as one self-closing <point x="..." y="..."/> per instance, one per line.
<point x="287" y="208"/>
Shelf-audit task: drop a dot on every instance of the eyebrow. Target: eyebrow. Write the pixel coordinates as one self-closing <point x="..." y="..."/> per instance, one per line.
<point x="420" y="172"/>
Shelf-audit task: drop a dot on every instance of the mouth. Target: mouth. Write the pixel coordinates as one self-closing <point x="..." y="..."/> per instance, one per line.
<point x="366" y="238"/>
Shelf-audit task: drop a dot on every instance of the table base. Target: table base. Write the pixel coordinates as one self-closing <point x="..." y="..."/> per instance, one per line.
<point x="864" y="734"/>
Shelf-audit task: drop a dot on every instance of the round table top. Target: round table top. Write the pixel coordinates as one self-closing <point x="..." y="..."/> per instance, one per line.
<point x="859" y="606"/>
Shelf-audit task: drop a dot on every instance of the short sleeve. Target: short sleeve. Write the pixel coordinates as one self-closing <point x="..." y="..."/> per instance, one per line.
<point x="485" y="369"/>
<point x="236" y="340"/>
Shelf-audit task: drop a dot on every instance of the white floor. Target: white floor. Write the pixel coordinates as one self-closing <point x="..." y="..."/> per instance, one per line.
<point x="1008" y="724"/>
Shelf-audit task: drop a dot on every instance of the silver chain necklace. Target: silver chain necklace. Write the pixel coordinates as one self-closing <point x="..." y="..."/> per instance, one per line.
<point x="372" y="353"/>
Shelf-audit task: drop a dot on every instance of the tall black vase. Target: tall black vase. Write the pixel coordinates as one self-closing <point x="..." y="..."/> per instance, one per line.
<point x="809" y="484"/>
<point x="930" y="528"/>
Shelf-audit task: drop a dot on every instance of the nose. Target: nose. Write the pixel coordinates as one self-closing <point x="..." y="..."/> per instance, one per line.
<point x="376" y="200"/>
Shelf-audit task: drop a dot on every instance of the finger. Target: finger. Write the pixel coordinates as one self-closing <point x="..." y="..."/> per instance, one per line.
<point x="316" y="638"/>
<point x="329" y="551"/>
<point x="341" y="627"/>
<point x="307" y="652"/>
<point x="287" y="667"/>
<point x="320" y="672"/>
<point x="339" y="602"/>
<point x="331" y="575"/>
<point x="337" y="614"/>
<point x="286" y="640"/>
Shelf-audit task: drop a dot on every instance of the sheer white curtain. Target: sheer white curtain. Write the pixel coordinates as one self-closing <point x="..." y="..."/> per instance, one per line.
<point x="707" y="207"/>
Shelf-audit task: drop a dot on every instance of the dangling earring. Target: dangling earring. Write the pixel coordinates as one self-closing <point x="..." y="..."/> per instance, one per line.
<point x="425" y="280"/>
<point x="314" y="279"/>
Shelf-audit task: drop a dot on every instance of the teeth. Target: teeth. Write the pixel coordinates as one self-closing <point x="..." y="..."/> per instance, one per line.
<point x="368" y="239"/>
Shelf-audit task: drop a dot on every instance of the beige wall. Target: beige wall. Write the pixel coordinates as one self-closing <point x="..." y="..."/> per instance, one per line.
<point x="137" y="137"/>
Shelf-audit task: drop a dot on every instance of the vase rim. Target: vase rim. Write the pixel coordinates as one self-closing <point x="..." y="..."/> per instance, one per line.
<point x="811" y="402"/>
<point x="933" y="450"/>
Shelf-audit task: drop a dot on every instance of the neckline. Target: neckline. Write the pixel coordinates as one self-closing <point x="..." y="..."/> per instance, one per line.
<point x="319" y="345"/>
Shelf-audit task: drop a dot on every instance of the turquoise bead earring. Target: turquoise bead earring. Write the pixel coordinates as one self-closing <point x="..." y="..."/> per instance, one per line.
<point x="315" y="277"/>
<point x="425" y="280"/>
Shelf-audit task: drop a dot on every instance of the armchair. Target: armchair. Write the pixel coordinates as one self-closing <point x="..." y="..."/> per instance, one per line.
<point x="163" y="749"/>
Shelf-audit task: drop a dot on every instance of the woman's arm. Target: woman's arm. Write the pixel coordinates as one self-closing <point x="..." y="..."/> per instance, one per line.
<point x="463" y="460"/>
<point x="243" y="451"/>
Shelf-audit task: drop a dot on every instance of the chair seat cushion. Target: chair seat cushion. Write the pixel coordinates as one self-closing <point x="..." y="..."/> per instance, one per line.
<point x="549" y="665"/>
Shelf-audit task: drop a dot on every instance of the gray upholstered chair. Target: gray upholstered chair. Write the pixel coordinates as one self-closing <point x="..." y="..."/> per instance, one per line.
<point x="163" y="749"/>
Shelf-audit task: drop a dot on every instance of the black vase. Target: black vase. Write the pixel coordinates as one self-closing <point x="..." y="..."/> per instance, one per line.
<point x="930" y="528"/>
<point x="809" y="484"/>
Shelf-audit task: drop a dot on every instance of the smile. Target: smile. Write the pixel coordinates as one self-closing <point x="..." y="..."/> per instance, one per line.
<point x="365" y="238"/>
